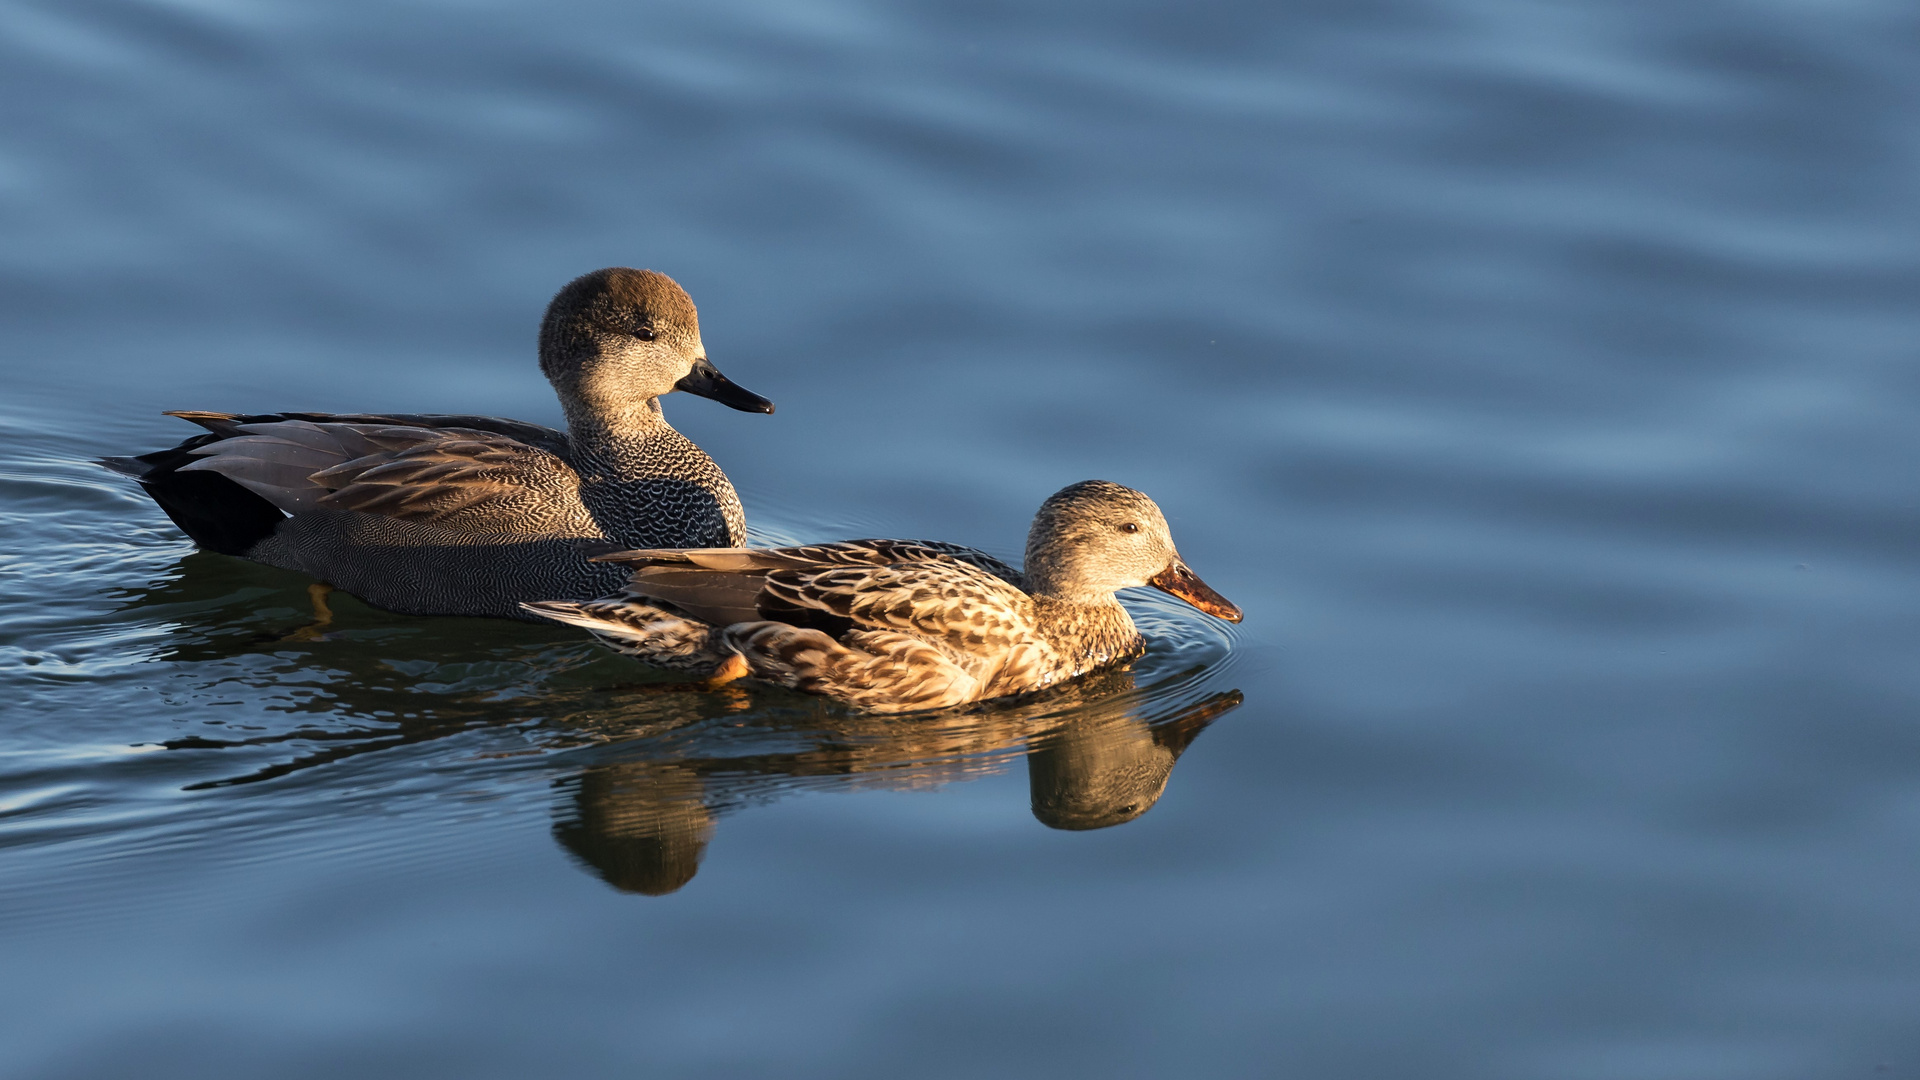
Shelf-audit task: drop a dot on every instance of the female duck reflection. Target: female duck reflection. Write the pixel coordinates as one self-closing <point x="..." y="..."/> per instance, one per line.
<point x="643" y="825"/>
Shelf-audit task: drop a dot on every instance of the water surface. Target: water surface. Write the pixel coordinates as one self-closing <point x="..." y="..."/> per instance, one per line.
<point x="1540" y="378"/>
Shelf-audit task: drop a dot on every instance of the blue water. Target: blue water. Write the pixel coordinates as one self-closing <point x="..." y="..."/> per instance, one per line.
<point x="1539" y="377"/>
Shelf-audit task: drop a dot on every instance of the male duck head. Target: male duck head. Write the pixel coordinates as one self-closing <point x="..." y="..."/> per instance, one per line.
<point x="1094" y="538"/>
<point x="616" y="339"/>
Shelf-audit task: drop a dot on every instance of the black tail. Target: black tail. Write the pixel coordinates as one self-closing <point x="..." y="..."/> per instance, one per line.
<point x="217" y="513"/>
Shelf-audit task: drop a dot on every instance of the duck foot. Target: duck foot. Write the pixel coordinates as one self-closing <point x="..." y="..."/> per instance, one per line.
<point x="322" y="616"/>
<point x="732" y="669"/>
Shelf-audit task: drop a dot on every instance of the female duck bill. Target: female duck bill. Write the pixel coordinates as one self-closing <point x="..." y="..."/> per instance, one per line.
<point x="1180" y="580"/>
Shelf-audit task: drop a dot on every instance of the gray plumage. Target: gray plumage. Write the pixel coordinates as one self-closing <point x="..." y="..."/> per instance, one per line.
<point x="898" y="625"/>
<point x="468" y="515"/>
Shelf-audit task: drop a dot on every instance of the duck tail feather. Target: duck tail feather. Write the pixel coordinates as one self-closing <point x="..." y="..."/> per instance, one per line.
<point x="217" y="513"/>
<point x="218" y="422"/>
<point x="563" y="611"/>
<point x="638" y="629"/>
<point x="646" y="555"/>
<point x="126" y="466"/>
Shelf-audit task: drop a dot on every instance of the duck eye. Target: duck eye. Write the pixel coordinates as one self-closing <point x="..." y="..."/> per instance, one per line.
<point x="644" y="333"/>
<point x="1129" y="527"/>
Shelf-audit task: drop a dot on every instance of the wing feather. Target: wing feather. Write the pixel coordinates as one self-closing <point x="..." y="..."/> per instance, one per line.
<point x="954" y="602"/>
<point x="465" y="478"/>
<point x="808" y="556"/>
<point x="546" y="438"/>
<point x="473" y="479"/>
<point x="715" y="597"/>
<point x="938" y="590"/>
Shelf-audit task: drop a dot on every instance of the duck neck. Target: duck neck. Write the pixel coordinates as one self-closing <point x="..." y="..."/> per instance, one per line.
<point x="646" y="484"/>
<point x="618" y="442"/>
<point x="1088" y="632"/>
<point x="1053" y="577"/>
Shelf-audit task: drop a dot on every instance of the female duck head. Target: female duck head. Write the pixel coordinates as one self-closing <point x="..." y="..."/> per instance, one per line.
<point x="1094" y="538"/>
<point x="616" y="339"/>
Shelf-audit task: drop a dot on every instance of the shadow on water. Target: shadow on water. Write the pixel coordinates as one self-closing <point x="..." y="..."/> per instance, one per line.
<point x="649" y="765"/>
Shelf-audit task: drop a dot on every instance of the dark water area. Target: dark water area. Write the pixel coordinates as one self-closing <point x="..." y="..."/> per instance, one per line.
<point x="1540" y="378"/>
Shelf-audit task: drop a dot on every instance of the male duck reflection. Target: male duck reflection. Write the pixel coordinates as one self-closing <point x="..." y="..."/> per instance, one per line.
<point x="468" y="515"/>
<point x="897" y="625"/>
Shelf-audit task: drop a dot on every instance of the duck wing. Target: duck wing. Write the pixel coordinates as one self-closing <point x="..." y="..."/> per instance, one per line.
<point x="929" y="589"/>
<point x="945" y="600"/>
<point x="815" y="556"/>
<point x="546" y="438"/>
<point x="469" y="478"/>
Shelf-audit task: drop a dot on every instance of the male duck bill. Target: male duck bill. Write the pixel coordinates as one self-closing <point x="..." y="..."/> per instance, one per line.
<point x="433" y="514"/>
<point x="898" y="625"/>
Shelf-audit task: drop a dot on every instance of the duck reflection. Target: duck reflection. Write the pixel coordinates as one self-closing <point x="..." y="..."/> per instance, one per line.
<point x="660" y="765"/>
<point x="1108" y="770"/>
<point x="642" y="826"/>
<point x="1094" y="760"/>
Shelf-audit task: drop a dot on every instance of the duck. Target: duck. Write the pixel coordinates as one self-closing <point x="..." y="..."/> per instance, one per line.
<point x="895" y="626"/>
<point x="441" y="514"/>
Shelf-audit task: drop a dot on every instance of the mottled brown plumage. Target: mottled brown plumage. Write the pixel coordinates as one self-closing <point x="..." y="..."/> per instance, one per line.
<point x="897" y="625"/>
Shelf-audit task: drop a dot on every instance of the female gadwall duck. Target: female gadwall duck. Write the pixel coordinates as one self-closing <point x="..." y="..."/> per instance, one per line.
<point x="896" y="625"/>
<point x="469" y="515"/>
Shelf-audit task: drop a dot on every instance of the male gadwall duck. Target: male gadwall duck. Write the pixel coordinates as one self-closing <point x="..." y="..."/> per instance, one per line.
<point x="898" y="625"/>
<point x="470" y="515"/>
